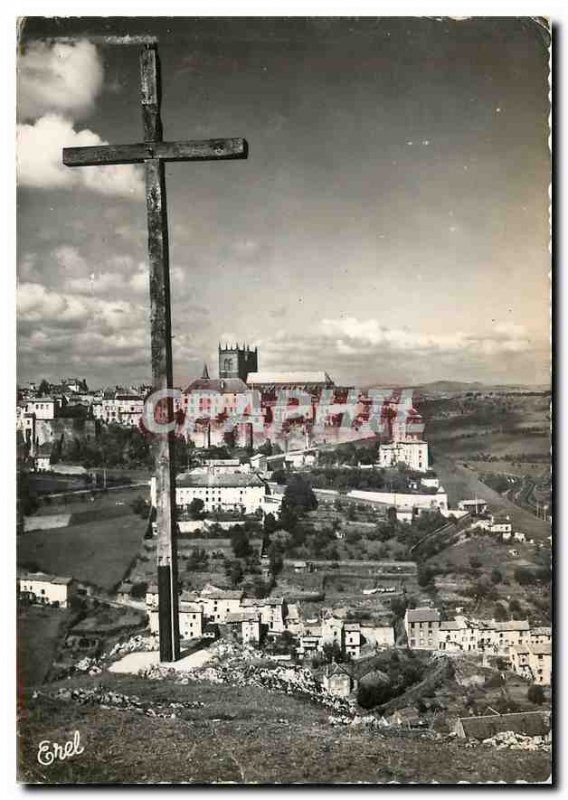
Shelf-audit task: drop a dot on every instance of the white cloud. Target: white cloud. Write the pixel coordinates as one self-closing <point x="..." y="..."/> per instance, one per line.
<point x="64" y="78"/>
<point x="351" y="334"/>
<point x="40" y="162"/>
<point x="364" y="351"/>
<point x="36" y="303"/>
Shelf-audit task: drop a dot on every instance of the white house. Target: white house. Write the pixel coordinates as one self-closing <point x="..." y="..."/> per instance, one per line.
<point x="42" y="458"/>
<point x="301" y="458"/>
<point x="225" y="466"/>
<point x="377" y="635"/>
<point x="190" y="617"/>
<point x="217" y="603"/>
<point x="422" y="628"/>
<point x="47" y="589"/>
<point x="510" y="634"/>
<point x="412" y="453"/>
<point x="500" y="524"/>
<point x="476" y="506"/>
<point x="270" y="611"/>
<point x="42" y="407"/>
<point x="122" y="409"/>
<point x="540" y="635"/>
<point x="310" y="640"/>
<point x="405" y="501"/>
<point x="293" y="621"/>
<point x="259" y="462"/>
<point x="248" y="624"/>
<point x="243" y="492"/>
<point x="533" y="661"/>
<point x="351" y="643"/>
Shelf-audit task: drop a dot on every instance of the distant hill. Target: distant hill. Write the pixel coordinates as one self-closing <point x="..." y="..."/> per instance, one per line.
<point x="456" y="387"/>
<point x="477" y="386"/>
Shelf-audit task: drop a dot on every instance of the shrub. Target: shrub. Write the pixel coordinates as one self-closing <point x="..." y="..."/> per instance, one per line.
<point x="535" y="694"/>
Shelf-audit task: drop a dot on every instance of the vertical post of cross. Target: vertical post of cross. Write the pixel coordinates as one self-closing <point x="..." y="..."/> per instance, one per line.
<point x="161" y="343"/>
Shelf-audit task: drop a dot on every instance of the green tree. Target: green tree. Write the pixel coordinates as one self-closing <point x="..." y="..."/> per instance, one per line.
<point x="426" y="574"/>
<point x="332" y="652"/>
<point x="138" y="590"/>
<point x="27" y="502"/>
<point x="270" y="524"/>
<point x="279" y="475"/>
<point x="535" y="694"/>
<point x="299" y="496"/>
<point x="44" y="388"/>
<point x="398" y="606"/>
<point x="275" y="558"/>
<point x="371" y="695"/>
<point x="140" y="507"/>
<point x="240" y="542"/>
<point x="496" y="575"/>
<point x="525" y="576"/>
<point x="234" y="571"/>
<point x="195" y="508"/>
<point x="198" y="560"/>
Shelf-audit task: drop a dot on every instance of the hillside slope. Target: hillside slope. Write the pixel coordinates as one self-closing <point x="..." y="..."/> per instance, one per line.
<point x="244" y="735"/>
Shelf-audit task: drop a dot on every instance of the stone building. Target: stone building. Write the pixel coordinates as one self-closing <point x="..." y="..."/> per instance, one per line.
<point x="235" y="492"/>
<point x="422" y="628"/>
<point x="237" y="362"/>
<point x="533" y="661"/>
<point x="337" y="680"/>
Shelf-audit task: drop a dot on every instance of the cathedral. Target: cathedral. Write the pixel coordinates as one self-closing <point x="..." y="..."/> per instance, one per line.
<point x="237" y="362"/>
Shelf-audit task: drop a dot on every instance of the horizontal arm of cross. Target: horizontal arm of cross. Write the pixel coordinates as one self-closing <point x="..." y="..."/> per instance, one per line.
<point x="197" y="150"/>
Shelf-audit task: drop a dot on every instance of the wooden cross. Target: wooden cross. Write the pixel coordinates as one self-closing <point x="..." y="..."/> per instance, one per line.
<point x="152" y="152"/>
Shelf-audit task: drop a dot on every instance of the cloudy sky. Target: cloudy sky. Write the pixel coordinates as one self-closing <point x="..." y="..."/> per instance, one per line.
<point x="389" y="226"/>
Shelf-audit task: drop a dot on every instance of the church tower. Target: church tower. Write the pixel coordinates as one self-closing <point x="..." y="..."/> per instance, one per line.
<point x="237" y="362"/>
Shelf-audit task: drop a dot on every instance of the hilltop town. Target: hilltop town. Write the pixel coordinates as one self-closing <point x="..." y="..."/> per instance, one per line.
<point x="399" y="583"/>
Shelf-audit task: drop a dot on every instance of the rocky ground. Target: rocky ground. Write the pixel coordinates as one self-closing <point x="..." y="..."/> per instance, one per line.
<point x="238" y="720"/>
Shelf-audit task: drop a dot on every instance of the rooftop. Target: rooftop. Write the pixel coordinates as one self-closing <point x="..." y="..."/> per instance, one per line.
<point x="286" y="378"/>
<point x="228" y="479"/>
<point x="43" y="577"/>
<point x="512" y="625"/>
<point x="541" y="631"/>
<point x="451" y="625"/>
<point x="262" y="601"/>
<point x="217" y="385"/>
<point x="422" y="615"/>
<point x="242" y="616"/>
<point x="529" y="723"/>
<point x="222" y="594"/>
<point x="189" y="608"/>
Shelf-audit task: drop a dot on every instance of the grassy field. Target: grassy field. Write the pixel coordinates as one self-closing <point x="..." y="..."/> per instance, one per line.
<point x="104" y="503"/>
<point x="40" y="632"/>
<point x="97" y="552"/>
<point x="453" y="586"/>
<point x="461" y="482"/>
<point x="245" y="736"/>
